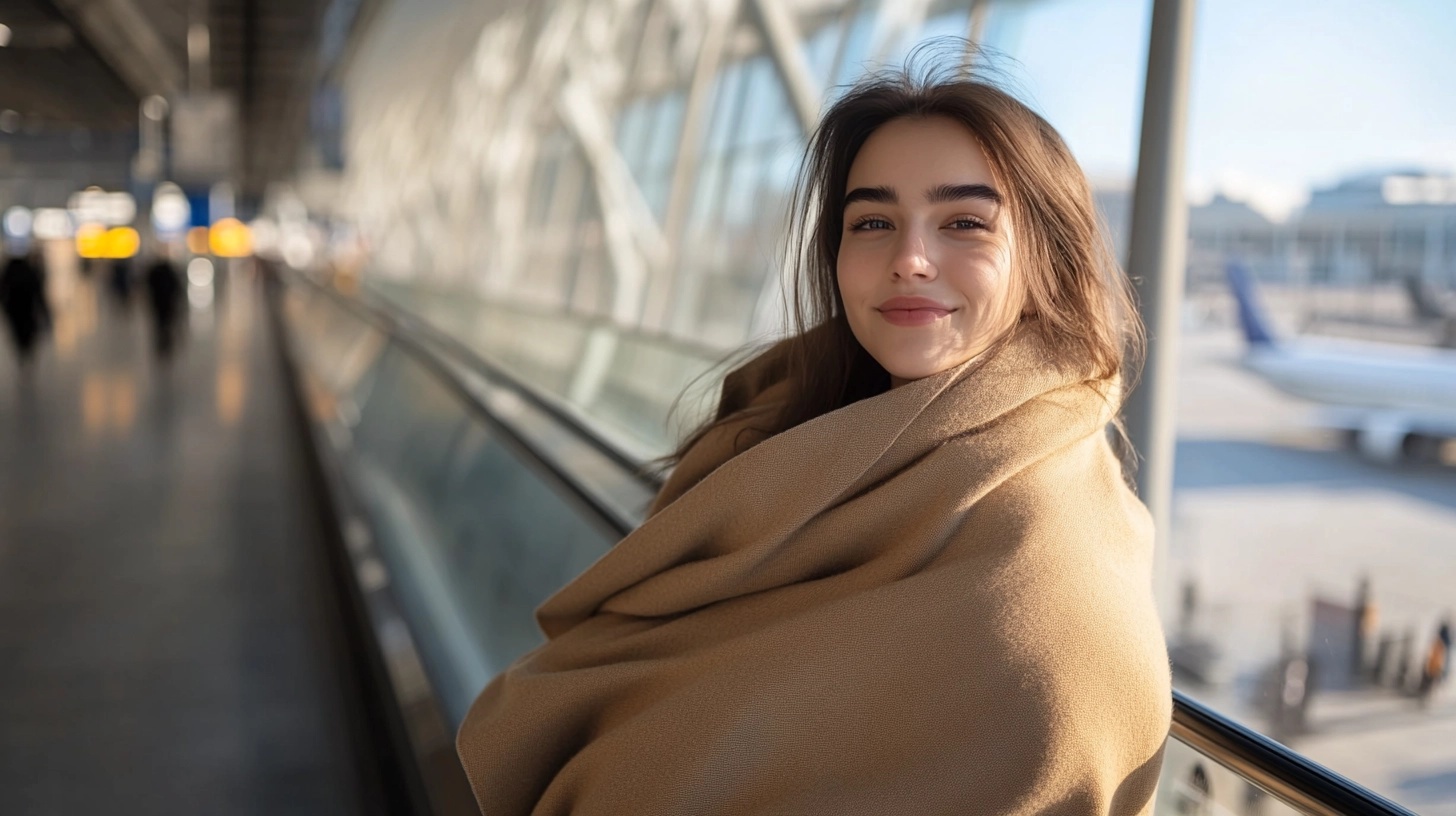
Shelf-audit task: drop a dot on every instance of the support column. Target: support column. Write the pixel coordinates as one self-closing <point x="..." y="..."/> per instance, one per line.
<point x="1157" y="264"/>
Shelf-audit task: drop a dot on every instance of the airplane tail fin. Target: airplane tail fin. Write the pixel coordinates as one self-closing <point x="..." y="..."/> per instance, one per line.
<point x="1252" y="317"/>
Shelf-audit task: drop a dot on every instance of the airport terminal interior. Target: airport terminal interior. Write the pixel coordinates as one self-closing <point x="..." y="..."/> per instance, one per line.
<point x="341" y="334"/>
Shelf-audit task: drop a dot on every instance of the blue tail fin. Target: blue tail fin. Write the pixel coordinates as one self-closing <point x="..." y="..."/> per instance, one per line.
<point x="1251" y="312"/>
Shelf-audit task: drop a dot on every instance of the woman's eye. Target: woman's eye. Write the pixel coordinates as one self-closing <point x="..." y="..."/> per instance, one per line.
<point x="869" y="224"/>
<point x="967" y="224"/>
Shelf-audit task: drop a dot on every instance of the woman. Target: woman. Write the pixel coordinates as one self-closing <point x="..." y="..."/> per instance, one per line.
<point x="900" y="570"/>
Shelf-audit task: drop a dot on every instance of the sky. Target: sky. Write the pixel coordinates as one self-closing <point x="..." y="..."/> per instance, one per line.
<point x="1286" y="96"/>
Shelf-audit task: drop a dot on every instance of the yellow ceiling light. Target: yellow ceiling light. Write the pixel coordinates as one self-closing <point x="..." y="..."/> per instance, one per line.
<point x="96" y="241"/>
<point x="230" y="238"/>
<point x="90" y="241"/>
<point x="122" y="242"/>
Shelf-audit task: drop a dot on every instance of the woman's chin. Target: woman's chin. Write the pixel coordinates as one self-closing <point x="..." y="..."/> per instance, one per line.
<point x="901" y="374"/>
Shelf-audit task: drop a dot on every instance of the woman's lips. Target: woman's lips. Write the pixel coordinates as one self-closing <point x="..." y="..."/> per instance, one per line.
<point x="907" y="311"/>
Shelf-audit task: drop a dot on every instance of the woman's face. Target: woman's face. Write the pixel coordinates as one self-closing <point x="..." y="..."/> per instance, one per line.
<point x="925" y="258"/>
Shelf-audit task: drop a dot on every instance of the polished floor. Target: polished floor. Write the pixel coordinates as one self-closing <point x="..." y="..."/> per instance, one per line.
<point x="168" y="639"/>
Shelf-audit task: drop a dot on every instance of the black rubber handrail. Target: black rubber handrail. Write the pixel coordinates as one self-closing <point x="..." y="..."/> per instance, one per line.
<point x="1275" y="768"/>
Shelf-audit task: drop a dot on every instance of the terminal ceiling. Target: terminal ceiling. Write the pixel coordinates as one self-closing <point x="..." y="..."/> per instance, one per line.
<point x="86" y="64"/>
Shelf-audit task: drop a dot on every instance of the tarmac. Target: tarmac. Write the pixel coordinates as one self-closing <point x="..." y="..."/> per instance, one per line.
<point x="1272" y="510"/>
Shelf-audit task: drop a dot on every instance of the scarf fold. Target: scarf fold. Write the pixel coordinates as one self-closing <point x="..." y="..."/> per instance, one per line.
<point x="936" y="600"/>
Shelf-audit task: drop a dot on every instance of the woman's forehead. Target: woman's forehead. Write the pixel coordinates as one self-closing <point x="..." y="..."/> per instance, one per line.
<point x="914" y="155"/>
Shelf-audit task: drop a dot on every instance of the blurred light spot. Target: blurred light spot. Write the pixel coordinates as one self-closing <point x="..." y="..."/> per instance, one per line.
<point x="4" y="35"/>
<point x="94" y="241"/>
<point x="89" y="239"/>
<point x="170" y="210"/>
<point x="233" y="331"/>
<point x="52" y="224"/>
<point x="265" y="235"/>
<point x="199" y="272"/>
<point x="199" y="296"/>
<point x="108" y="402"/>
<point x="93" y="402"/>
<point x="75" y="319"/>
<point x="122" y="242"/>
<point x="232" y="389"/>
<point x="297" y="250"/>
<point x="96" y="205"/>
<point x="199" y="42"/>
<point x="291" y="211"/>
<point x="372" y="574"/>
<point x="230" y="238"/>
<point x="17" y="222"/>
<point x="154" y="108"/>
<point x="64" y="332"/>
<point x="123" y="402"/>
<point x="9" y="121"/>
<point x="197" y="240"/>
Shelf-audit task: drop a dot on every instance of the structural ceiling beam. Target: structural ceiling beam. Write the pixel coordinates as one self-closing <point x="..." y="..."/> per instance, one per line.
<point x="123" y="37"/>
<point x="634" y="239"/>
<point x="786" y="47"/>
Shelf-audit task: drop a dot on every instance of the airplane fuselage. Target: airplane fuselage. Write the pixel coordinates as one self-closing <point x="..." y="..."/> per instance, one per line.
<point x="1414" y="382"/>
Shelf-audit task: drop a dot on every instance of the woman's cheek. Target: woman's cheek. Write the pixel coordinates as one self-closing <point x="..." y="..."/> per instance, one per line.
<point x="855" y="278"/>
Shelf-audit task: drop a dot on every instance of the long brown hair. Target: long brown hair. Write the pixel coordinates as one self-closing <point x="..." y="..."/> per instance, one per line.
<point x="1076" y="295"/>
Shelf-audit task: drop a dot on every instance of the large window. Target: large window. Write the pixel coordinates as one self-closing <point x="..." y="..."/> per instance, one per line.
<point x="1315" y="516"/>
<point x="631" y="162"/>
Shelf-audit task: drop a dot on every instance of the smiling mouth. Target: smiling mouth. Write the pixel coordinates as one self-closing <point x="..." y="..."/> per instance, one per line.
<point x="918" y="316"/>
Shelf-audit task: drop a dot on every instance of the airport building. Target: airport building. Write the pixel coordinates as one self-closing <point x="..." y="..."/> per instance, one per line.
<point x="1368" y="229"/>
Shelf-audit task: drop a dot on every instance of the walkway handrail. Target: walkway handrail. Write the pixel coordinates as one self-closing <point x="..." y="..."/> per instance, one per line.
<point x="1284" y="773"/>
<point x="429" y="346"/>
<point x="1277" y="769"/>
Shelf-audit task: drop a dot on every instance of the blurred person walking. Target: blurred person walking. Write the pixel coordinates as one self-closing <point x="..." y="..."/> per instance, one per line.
<point x="164" y="294"/>
<point x="1437" y="663"/>
<point x="120" y="283"/>
<point x="22" y="297"/>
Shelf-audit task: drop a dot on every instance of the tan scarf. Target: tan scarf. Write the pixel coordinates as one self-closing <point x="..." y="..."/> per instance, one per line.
<point x="936" y="600"/>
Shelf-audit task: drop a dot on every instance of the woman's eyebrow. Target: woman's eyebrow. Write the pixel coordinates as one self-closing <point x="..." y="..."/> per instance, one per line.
<point x="879" y="195"/>
<point x="946" y="193"/>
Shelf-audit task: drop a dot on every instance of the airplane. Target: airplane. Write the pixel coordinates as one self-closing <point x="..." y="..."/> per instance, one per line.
<point x="1399" y="401"/>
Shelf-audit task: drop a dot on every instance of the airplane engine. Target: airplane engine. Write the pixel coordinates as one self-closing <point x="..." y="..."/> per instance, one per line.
<point x="1382" y="439"/>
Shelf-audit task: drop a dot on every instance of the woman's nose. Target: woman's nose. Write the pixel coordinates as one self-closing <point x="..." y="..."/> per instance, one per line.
<point x="912" y="261"/>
